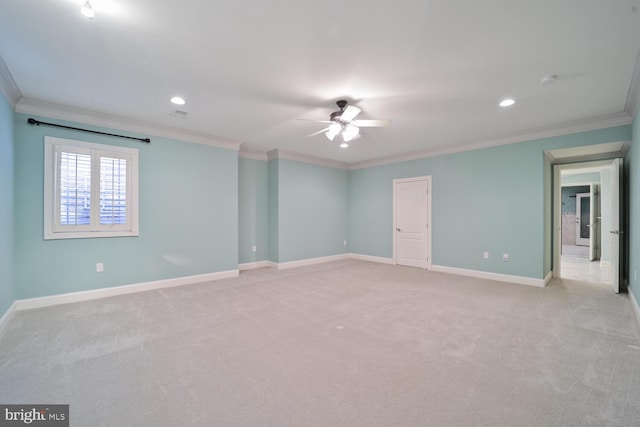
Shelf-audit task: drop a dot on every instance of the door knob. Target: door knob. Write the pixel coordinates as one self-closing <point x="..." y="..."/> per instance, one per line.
<point x="397" y="229"/>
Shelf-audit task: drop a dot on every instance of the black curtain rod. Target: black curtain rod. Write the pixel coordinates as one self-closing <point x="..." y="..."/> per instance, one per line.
<point x="38" y="123"/>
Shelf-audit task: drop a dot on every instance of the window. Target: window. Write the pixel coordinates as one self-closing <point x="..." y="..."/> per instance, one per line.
<point x="91" y="190"/>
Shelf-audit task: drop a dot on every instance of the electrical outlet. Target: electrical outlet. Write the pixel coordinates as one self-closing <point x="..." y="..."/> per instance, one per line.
<point x="99" y="267"/>
<point x="486" y="255"/>
<point x="253" y="248"/>
<point x="505" y="257"/>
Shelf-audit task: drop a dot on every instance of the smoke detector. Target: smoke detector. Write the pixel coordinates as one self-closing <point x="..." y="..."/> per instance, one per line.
<point x="547" y="80"/>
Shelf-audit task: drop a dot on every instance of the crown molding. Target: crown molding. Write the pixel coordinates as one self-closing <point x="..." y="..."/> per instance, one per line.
<point x="633" y="96"/>
<point x="305" y="158"/>
<point x="607" y="150"/>
<point x="8" y="85"/>
<point x="247" y="153"/>
<point x="79" y="115"/>
<point x="577" y="126"/>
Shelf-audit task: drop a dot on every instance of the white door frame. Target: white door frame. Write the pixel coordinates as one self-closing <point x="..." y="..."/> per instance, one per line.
<point x="429" y="227"/>
<point x="617" y="224"/>
<point x="557" y="206"/>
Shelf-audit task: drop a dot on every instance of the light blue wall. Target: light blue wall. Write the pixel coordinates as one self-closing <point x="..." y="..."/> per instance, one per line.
<point x="253" y="206"/>
<point x="633" y="167"/>
<point x="7" y="277"/>
<point x="313" y="206"/>
<point x="490" y="199"/>
<point x="188" y="208"/>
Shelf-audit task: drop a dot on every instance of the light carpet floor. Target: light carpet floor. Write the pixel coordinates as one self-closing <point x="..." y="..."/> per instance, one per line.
<point x="346" y="343"/>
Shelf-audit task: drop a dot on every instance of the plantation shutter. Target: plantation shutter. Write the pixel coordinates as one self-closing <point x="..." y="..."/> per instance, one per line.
<point x="74" y="188"/>
<point x="113" y="191"/>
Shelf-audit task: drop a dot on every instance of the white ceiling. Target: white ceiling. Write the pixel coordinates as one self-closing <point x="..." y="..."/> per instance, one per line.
<point x="249" y="69"/>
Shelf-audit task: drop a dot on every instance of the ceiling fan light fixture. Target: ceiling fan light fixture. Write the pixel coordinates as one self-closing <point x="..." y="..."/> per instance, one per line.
<point x="331" y="135"/>
<point x="350" y="132"/>
<point x="87" y="10"/>
<point x="343" y="123"/>
<point x="334" y="130"/>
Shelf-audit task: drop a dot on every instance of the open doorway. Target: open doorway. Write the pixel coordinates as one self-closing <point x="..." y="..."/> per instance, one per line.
<point x="587" y="212"/>
<point x="581" y="254"/>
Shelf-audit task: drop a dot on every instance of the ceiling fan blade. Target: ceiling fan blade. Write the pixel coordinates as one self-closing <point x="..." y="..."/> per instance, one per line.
<point x="316" y="121"/>
<point x="350" y="113"/>
<point x="319" y="132"/>
<point x="372" y="123"/>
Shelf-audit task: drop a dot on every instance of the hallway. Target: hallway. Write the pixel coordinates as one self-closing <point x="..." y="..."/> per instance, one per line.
<point x="575" y="265"/>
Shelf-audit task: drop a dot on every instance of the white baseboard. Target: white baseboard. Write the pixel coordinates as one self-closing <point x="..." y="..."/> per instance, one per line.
<point x="4" y="320"/>
<point x="605" y="264"/>
<point x="520" y="280"/>
<point x="253" y="265"/>
<point x="547" y="278"/>
<point x="634" y="304"/>
<point x="72" y="297"/>
<point x="320" y="260"/>
<point x="309" y="261"/>
<point x="371" y="258"/>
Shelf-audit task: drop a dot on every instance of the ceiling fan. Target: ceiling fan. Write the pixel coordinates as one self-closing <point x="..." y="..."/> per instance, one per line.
<point x="342" y="123"/>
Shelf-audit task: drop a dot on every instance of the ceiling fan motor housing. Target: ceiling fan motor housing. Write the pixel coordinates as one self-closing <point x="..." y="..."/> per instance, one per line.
<point x="336" y="114"/>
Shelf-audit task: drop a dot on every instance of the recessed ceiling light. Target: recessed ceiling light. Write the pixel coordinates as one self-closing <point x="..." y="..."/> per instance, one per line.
<point x="344" y="145"/>
<point x="178" y="101"/>
<point x="507" y="102"/>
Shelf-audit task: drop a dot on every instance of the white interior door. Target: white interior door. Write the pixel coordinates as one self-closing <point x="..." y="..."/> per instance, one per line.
<point x="615" y="232"/>
<point x="594" y="223"/>
<point x="411" y="224"/>
<point x="583" y="219"/>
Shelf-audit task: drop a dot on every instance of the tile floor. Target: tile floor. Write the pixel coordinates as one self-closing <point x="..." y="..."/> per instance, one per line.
<point x="575" y="265"/>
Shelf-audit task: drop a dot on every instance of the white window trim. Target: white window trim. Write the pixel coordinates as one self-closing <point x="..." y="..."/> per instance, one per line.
<point x="51" y="205"/>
